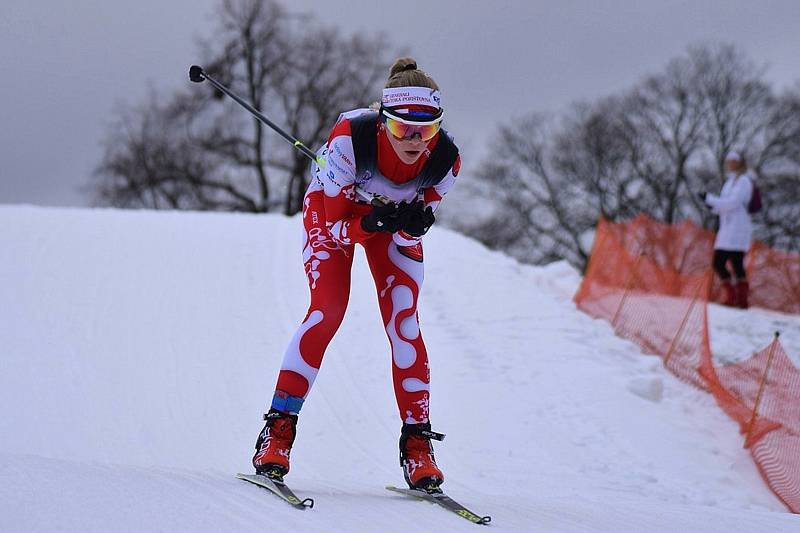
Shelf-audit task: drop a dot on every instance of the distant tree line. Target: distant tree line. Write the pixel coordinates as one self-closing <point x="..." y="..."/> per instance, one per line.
<point x="549" y="176"/>
<point x="649" y="149"/>
<point x="196" y="150"/>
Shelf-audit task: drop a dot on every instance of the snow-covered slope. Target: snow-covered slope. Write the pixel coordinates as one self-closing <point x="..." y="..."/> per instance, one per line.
<point x="138" y="351"/>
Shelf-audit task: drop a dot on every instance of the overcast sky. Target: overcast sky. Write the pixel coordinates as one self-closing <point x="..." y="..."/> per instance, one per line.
<point x="64" y="65"/>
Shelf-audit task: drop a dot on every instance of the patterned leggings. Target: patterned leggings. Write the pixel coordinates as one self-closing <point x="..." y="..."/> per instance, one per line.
<point x="398" y="279"/>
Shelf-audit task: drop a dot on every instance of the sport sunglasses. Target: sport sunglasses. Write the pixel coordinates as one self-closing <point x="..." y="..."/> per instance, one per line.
<point x="407" y="126"/>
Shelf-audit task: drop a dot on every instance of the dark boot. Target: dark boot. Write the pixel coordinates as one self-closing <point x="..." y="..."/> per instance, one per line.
<point x="274" y="444"/>
<point x="742" y="293"/>
<point x="729" y="293"/>
<point x="416" y="457"/>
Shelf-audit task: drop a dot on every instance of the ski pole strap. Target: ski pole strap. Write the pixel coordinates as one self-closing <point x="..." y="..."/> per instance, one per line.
<point x="422" y="430"/>
<point x="282" y="401"/>
<point x="432" y="434"/>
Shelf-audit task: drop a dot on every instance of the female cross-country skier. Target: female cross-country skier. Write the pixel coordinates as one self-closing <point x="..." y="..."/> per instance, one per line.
<point x="385" y="173"/>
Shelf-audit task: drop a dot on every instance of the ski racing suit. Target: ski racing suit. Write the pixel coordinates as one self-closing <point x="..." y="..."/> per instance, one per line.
<point x="332" y="212"/>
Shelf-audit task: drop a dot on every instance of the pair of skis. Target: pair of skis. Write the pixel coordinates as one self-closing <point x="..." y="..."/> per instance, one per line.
<point x="439" y="498"/>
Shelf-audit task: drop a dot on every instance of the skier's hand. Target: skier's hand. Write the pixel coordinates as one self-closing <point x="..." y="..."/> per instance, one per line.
<point x="388" y="218"/>
<point x="419" y="219"/>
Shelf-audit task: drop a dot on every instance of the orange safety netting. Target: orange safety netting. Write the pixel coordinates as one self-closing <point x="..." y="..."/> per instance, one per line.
<point x="653" y="281"/>
<point x="774" y="278"/>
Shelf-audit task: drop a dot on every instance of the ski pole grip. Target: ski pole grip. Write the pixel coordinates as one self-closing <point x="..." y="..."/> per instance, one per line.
<point x="196" y="74"/>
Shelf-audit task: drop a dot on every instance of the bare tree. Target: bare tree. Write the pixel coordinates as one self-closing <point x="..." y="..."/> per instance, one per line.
<point x="298" y="72"/>
<point x="150" y="162"/>
<point x="347" y="73"/>
<point x="778" y="168"/>
<point x="662" y="120"/>
<point x="591" y="152"/>
<point x="540" y="216"/>
<point x="648" y="150"/>
<point x="743" y="113"/>
<point x="734" y="95"/>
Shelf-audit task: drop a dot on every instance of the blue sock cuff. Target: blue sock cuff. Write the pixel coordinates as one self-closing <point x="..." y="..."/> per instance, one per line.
<point x="282" y="401"/>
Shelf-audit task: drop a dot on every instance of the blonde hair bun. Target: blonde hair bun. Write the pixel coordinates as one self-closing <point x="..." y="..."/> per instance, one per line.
<point x="404" y="72"/>
<point x="401" y="65"/>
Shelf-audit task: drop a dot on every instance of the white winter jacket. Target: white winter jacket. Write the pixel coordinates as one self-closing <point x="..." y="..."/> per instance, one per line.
<point x="735" y="228"/>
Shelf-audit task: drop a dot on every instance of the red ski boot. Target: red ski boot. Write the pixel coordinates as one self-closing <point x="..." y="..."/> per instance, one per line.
<point x="742" y="291"/>
<point x="728" y="293"/>
<point x="274" y="444"/>
<point x="416" y="457"/>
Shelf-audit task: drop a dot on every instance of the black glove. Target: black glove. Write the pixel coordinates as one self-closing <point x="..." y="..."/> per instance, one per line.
<point x="389" y="218"/>
<point x="419" y="219"/>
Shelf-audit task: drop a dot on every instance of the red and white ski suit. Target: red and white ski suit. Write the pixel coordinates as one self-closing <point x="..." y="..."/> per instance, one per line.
<point x="332" y="213"/>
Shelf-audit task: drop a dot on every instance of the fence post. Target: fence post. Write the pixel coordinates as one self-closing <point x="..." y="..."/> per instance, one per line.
<point x="683" y="323"/>
<point x="761" y="390"/>
<point x="628" y="284"/>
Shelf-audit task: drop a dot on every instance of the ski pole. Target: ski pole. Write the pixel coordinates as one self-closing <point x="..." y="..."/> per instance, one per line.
<point x="198" y="75"/>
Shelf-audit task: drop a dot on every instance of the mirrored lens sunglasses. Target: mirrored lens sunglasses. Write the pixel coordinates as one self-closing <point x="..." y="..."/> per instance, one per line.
<point x="425" y="126"/>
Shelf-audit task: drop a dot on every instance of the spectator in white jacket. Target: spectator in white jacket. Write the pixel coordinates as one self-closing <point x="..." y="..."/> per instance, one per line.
<point x="735" y="228"/>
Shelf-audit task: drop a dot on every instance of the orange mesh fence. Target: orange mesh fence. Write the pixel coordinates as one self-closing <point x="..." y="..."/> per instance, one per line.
<point x="686" y="248"/>
<point x="774" y="278"/>
<point x="763" y="395"/>
<point x="652" y="281"/>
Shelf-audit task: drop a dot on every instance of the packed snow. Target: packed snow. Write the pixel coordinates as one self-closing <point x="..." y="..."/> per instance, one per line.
<point x="139" y="350"/>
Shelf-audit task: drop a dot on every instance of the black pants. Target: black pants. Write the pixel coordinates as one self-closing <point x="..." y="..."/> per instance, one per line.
<point x="721" y="258"/>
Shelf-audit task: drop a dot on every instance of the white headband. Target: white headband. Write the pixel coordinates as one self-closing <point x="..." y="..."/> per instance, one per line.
<point x="398" y="96"/>
<point x="733" y="155"/>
